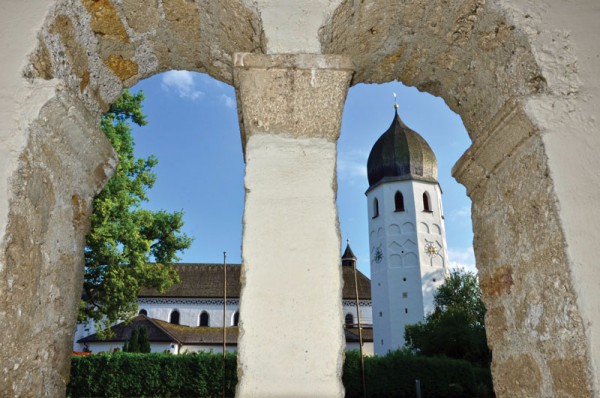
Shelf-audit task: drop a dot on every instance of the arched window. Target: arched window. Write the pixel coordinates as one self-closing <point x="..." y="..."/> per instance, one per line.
<point x="143" y="312"/>
<point x="375" y="208"/>
<point x="174" y="318"/>
<point x="236" y="318"/>
<point x="204" y="318"/>
<point x="349" y="319"/>
<point x="399" y="201"/>
<point x="426" y="205"/>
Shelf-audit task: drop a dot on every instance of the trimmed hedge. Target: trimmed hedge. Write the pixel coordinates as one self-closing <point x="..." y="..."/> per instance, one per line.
<point x="125" y="374"/>
<point x="201" y="374"/>
<point x="394" y="375"/>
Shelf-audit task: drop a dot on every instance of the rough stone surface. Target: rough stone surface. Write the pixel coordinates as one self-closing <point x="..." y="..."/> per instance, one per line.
<point x="523" y="272"/>
<point x="123" y="68"/>
<point x="105" y="20"/>
<point x="521" y="377"/>
<point x="141" y="17"/>
<point x="57" y="177"/>
<point x="440" y="47"/>
<point x="295" y="95"/>
<point x="290" y="113"/>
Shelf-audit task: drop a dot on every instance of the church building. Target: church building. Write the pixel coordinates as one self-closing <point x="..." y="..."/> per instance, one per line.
<point x="407" y="238"/>
<point x="189" y="316"/>
<point x="408" y="263"/>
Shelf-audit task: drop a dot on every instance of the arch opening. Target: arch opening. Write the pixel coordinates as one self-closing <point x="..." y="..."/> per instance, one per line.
<point x="486" y="80"/>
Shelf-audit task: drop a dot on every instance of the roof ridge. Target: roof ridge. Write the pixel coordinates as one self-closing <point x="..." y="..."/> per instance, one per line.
<point x="153" y="321"/>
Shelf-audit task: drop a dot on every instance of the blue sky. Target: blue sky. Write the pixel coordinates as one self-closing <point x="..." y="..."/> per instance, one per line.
<point x="193" y="131"/>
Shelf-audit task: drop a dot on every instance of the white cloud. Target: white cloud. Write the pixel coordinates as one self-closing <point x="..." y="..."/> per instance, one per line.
<point x="352" y="165"/>
<point x="464" y="213"/>
<point x="462" y="258"/>
<point x="228" y="101"/>
<point x="182" y="83"/>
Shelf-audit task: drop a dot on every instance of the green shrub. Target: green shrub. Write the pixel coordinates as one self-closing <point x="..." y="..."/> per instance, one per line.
<point x="124" y="374"/>
<point x="394" y="375"/>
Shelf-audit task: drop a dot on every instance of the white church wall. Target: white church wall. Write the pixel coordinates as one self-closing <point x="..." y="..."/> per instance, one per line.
<point x="214" y="348"/>
<point x="189" y="310"/>
<point x="111" y="346"/>
<point x="366" y="313"/>
<point x="433" y="267"/>
<point x="404" y="280"/>
<point x="367" y="348"/>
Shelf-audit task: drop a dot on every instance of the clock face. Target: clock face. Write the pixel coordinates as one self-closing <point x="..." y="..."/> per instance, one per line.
<point x="430" y="249"/>
<point x="378" y="255"/>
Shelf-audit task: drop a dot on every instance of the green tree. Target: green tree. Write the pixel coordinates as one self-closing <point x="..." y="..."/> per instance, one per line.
<point x="455" y="328"/>
<point x="128" y="247"/>
<point x="138" y="341"/>
<point x="134" y="341"/>
<point x="144" y="340"/>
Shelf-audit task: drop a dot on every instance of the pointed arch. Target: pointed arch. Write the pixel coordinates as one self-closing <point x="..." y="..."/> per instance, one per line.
<point x="143" y="312"/>
<point x="399" y="201"/>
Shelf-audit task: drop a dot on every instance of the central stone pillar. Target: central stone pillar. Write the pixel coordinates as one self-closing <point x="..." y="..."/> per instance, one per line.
<point x="291" y="338"/>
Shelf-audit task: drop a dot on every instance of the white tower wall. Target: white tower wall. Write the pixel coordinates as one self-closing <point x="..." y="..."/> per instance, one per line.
<point x="405" y="277"/>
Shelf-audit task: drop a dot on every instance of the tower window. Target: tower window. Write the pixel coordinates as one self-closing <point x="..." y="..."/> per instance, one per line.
<point x="406" y="310"/>
<point x="426" y="204"/>
<point x="404" y="295"/>
<point x="375" y="208"/>
<point x="349" y="319"/>
<point x="236" y="318"/>
<point x="380" y="314"/>
<point x="143" y="312"/>
<point x="399" y="201"/>
<point x="204" y="318"/>
<point x="174" y="318"/>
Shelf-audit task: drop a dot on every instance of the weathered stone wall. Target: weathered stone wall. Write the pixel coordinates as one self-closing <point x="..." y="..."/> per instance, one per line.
<point x="66" y="161"/>
<point x="96" y="47"/>
<point x="534" y="326"/>
<point x="56" y="159"/>
<point x="291" y="108"/>
<point x="511" y="70"/>
<point x="463" y="51"/>
<point x="523" y="75"/>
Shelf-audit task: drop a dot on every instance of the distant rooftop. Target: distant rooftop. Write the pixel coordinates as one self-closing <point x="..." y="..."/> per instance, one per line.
<point x="206" y="281"/>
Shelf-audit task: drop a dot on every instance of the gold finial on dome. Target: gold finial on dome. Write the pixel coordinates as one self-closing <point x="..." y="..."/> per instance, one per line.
<point x="395" y="102"/>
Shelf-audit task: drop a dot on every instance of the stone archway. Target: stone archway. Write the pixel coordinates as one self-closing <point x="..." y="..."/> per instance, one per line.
<point x="86" y="53"/>
<point x="485" y="60"/>
<point x="522" y="75"/>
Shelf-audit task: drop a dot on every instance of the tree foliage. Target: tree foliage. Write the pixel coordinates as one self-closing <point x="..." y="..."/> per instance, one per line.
<point x="127" y="247"/>
<point x="138" y="341"/>
<point x="455" y="328"/>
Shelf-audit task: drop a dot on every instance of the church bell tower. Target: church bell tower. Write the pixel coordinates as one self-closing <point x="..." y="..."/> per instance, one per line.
<point x="407" y="238"/>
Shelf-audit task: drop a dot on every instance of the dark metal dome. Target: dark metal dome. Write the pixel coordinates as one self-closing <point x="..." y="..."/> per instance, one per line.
<point x="401" y="154"/>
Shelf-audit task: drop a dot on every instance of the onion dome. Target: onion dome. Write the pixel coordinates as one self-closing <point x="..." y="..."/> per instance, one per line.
<point x="401" y="154"/>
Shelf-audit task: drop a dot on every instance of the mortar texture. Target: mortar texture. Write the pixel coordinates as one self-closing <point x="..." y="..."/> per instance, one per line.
<point x="290" y="112"/>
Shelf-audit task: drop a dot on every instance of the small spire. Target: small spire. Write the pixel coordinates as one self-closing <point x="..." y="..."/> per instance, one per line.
<point x="348" y="258"/>
<point x="395" y="102"/>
